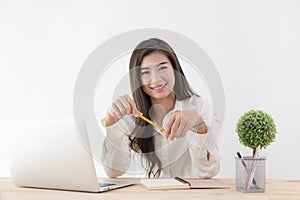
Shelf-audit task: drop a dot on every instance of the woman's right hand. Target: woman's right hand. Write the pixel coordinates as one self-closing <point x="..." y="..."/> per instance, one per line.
<point x="124" y="105"/>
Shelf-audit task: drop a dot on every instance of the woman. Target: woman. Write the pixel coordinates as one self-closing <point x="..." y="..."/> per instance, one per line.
<point x="160" y="93"/>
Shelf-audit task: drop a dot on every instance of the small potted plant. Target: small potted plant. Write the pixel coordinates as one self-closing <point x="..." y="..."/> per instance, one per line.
<point x="256" y="129"/>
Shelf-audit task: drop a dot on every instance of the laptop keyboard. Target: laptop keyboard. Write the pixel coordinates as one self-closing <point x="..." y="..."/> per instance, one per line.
<point x="106" y="184"/>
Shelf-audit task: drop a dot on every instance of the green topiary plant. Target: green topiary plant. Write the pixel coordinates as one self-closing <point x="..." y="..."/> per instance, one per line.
<point x="256" y="129"/>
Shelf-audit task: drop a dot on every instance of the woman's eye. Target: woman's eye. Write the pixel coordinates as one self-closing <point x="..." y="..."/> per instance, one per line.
<point x="163" y="67"/>
<point x="144" y="72"/>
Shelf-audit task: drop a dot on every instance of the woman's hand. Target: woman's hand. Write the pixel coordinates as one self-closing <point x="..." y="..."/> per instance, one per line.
<point x="124" y="105"/>
<point x="180" y="122"/>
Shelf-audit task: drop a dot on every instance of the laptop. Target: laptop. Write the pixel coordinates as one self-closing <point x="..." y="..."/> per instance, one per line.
<point x="47" y="153"/>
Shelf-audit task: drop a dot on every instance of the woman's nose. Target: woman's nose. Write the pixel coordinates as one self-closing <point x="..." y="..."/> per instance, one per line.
<point x="155" y="77"/>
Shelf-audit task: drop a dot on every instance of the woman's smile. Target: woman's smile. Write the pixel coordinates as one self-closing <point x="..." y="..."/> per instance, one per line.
<point x="159" y="88"/>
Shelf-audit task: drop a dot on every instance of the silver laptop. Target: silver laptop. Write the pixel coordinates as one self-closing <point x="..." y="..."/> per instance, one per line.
<point x="49" y="154"/>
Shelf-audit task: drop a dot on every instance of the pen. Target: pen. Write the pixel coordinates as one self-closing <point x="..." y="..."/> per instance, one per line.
<point x="182" y="181"/>
<point x="244" y="164"/>
<point x="151" y="122"/>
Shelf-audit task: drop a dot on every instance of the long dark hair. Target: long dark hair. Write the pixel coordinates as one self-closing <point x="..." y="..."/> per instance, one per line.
<point x="142" y="138"/>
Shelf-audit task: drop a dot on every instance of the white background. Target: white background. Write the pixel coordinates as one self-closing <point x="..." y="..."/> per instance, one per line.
<point x="255" y="46"/>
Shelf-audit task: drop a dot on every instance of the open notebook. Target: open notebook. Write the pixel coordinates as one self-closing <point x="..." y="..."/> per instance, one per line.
<point x="179" y="183"/>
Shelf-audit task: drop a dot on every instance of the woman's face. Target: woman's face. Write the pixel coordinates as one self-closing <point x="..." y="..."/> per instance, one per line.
<point x="157" y="75"/>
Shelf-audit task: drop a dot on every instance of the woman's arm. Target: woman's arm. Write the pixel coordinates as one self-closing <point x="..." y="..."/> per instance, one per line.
<point x="206" y="160"/>
<point x="116" y="152"/>
<point x="205" y="163"/>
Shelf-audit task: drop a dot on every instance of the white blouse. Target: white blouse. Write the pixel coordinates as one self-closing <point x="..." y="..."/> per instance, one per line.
<point x="189" y="156"/>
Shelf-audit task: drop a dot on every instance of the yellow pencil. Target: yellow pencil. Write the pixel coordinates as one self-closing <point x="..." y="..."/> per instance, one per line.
<point x="151" y="122"/>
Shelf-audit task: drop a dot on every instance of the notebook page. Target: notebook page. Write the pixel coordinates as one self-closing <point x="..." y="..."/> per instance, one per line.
<point x="168" y="183"/>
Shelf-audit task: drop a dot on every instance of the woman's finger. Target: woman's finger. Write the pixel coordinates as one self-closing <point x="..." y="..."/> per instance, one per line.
<point x="116" y="112"/>
<point x="134" y="109"/>
<point x="174" y="129"/>
<point x="169" y="126"/>
<point x="184" y="130"/>
<point x="180" y="130"/>
<point x="121" y="107"/>
<point x="126" y="104"/>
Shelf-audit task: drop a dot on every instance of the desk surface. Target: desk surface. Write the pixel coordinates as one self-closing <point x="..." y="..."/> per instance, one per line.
<point x="275" y="189"/>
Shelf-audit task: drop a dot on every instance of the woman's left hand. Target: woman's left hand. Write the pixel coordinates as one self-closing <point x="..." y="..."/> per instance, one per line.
<point x="180" y="122"/>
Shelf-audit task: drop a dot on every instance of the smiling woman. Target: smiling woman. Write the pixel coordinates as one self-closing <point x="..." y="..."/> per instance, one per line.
<point x="160" y="92"/>
<point x="158" y="80"/>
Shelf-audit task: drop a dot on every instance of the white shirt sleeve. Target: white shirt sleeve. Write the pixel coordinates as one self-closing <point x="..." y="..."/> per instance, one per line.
<point x="205" y="158"/>
<point x="116" y="151"/>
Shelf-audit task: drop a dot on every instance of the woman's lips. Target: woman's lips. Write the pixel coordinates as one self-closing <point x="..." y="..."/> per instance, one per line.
<point x="158" y="88"/>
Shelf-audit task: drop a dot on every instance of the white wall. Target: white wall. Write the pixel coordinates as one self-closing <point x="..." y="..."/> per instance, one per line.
<point x="254" y="45"/>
